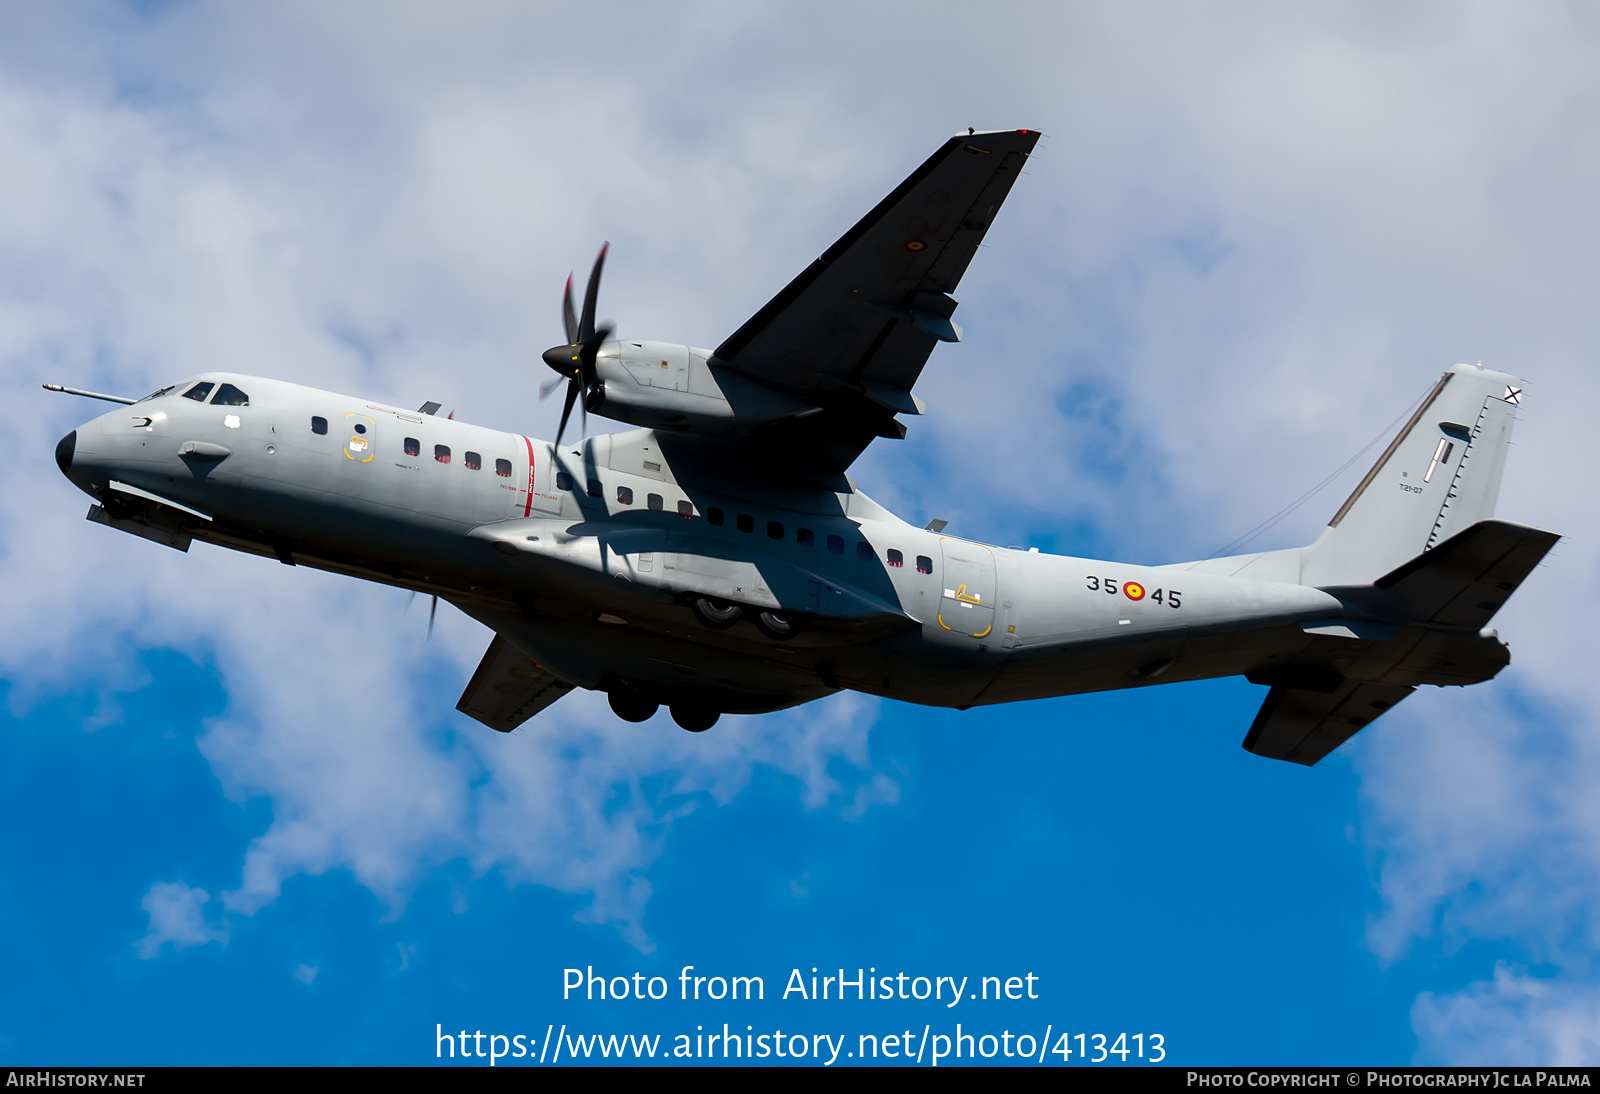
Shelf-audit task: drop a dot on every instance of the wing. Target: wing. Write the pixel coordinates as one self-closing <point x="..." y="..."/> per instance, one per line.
<point x="509" y="688"/>
<point x="852" y="333"/>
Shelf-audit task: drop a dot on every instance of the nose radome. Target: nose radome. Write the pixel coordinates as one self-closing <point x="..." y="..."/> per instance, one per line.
<point x="65" y="447"/>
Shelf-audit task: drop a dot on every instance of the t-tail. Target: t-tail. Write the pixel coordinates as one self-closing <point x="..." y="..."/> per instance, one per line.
<point x="1419" y="561"/>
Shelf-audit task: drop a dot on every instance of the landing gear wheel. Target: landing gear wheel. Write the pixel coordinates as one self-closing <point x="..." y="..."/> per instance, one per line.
<point x="631" y="707"/>
<point x="778" y="626"/>
<point x="719" y="615"/>
<point x="695" y="719"/>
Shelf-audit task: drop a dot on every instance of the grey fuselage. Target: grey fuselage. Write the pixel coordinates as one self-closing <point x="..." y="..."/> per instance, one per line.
<point x="587" y="557"/>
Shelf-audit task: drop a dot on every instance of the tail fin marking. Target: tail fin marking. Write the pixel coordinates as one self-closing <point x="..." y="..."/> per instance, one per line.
<point x="1439" y="476"/>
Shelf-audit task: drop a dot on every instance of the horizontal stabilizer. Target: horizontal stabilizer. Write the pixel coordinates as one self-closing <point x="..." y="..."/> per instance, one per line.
<point x="1302" y="726"/>
<point x="1465" y="580"/>
<point x="509" y="688"/>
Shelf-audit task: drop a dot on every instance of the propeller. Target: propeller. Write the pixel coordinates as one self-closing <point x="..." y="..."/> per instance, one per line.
<point x="433" y="610"/>
<point x="575" y="360"/>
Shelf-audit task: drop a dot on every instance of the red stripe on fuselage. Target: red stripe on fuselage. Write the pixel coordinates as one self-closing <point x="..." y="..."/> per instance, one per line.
<point x="527" y="506"/>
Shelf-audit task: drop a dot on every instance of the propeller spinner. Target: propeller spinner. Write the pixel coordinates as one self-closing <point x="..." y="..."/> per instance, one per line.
<point x="575" y="360"/>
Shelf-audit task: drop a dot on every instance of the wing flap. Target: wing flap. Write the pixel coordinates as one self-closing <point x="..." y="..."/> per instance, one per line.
<point x="1302" y="726"/>
<point x="509" y="687"/>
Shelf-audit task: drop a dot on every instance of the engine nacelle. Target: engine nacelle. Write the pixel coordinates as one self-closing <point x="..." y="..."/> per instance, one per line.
<point x="673" y="387"/>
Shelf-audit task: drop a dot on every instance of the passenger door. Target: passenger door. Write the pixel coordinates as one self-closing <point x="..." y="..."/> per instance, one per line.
<point x="966" y="603"/>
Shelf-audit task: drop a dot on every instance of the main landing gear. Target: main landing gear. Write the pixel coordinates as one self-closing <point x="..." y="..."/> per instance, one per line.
<point x="695" y="719"/>
<point x="630" y="706"/>
<point x="719" y="615"/>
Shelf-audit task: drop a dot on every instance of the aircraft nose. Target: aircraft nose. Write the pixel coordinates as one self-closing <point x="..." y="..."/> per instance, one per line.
<point x="65" y="448"/>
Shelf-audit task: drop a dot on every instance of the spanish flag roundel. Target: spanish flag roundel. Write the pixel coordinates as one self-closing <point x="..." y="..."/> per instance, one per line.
<point x="1133" y="590"/>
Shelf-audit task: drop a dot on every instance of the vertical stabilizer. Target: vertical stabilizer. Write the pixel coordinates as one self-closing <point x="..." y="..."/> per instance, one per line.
<point x="1440" y="475"/>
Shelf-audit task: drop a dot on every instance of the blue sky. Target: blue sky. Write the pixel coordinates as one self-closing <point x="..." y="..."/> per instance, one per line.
<point x="245" y="823"/>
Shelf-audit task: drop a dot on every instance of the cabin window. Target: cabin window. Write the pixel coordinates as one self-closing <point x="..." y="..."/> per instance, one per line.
<point x="413" y="447"/>
<point x="473" y="461"/>
<point x="228" y="395"/>
<point x="595" y="489"/>
<point x="441" y="452"/>
<point x="655" y="502"/>
<point x="714" y="515"/>
<point x="502" y="468"/>
<point x="563" y="481"/>
<point x="319" y="426"/>
<point x="836" y="545"/>
<point x="805" y="537"/>
<point x="896" y="559"/>
<point x="360" y="428"/>
<point x="774" y="530"/>
<point x="924" y="564"/>
<point x="864" y="551"/>
<point x="746" y="523"/>
<point x="624" y="495"/>
<point x="686" y="510"/>
<point x="199" y="392"/>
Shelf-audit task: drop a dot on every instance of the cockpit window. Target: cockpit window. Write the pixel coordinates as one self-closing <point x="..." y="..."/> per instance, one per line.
<point x="199" y="392"/>
<point x="158" y="394"/>
<point x="228" y="395"/>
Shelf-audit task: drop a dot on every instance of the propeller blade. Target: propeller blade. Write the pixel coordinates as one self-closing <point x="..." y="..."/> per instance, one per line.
<point x="567" y="316"/>
<point x="566" y="411"/>
<point x="586" y="325"/>
<point x="410" y="598"/>
<point x="546" y="388"/>
<point x="589" y="350"/>
<point x="432" y="611"/>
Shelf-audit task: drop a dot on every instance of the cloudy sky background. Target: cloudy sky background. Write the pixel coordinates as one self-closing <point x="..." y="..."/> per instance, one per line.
<point x="244" y="822"/>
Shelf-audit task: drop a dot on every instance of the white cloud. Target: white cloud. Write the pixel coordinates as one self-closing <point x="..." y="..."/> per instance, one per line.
<point x="178" y="915"/>
<point x="1514" y="1019"/>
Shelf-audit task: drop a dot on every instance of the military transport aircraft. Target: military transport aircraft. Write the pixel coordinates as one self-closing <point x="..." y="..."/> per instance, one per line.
<point x="719" y="559"/>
